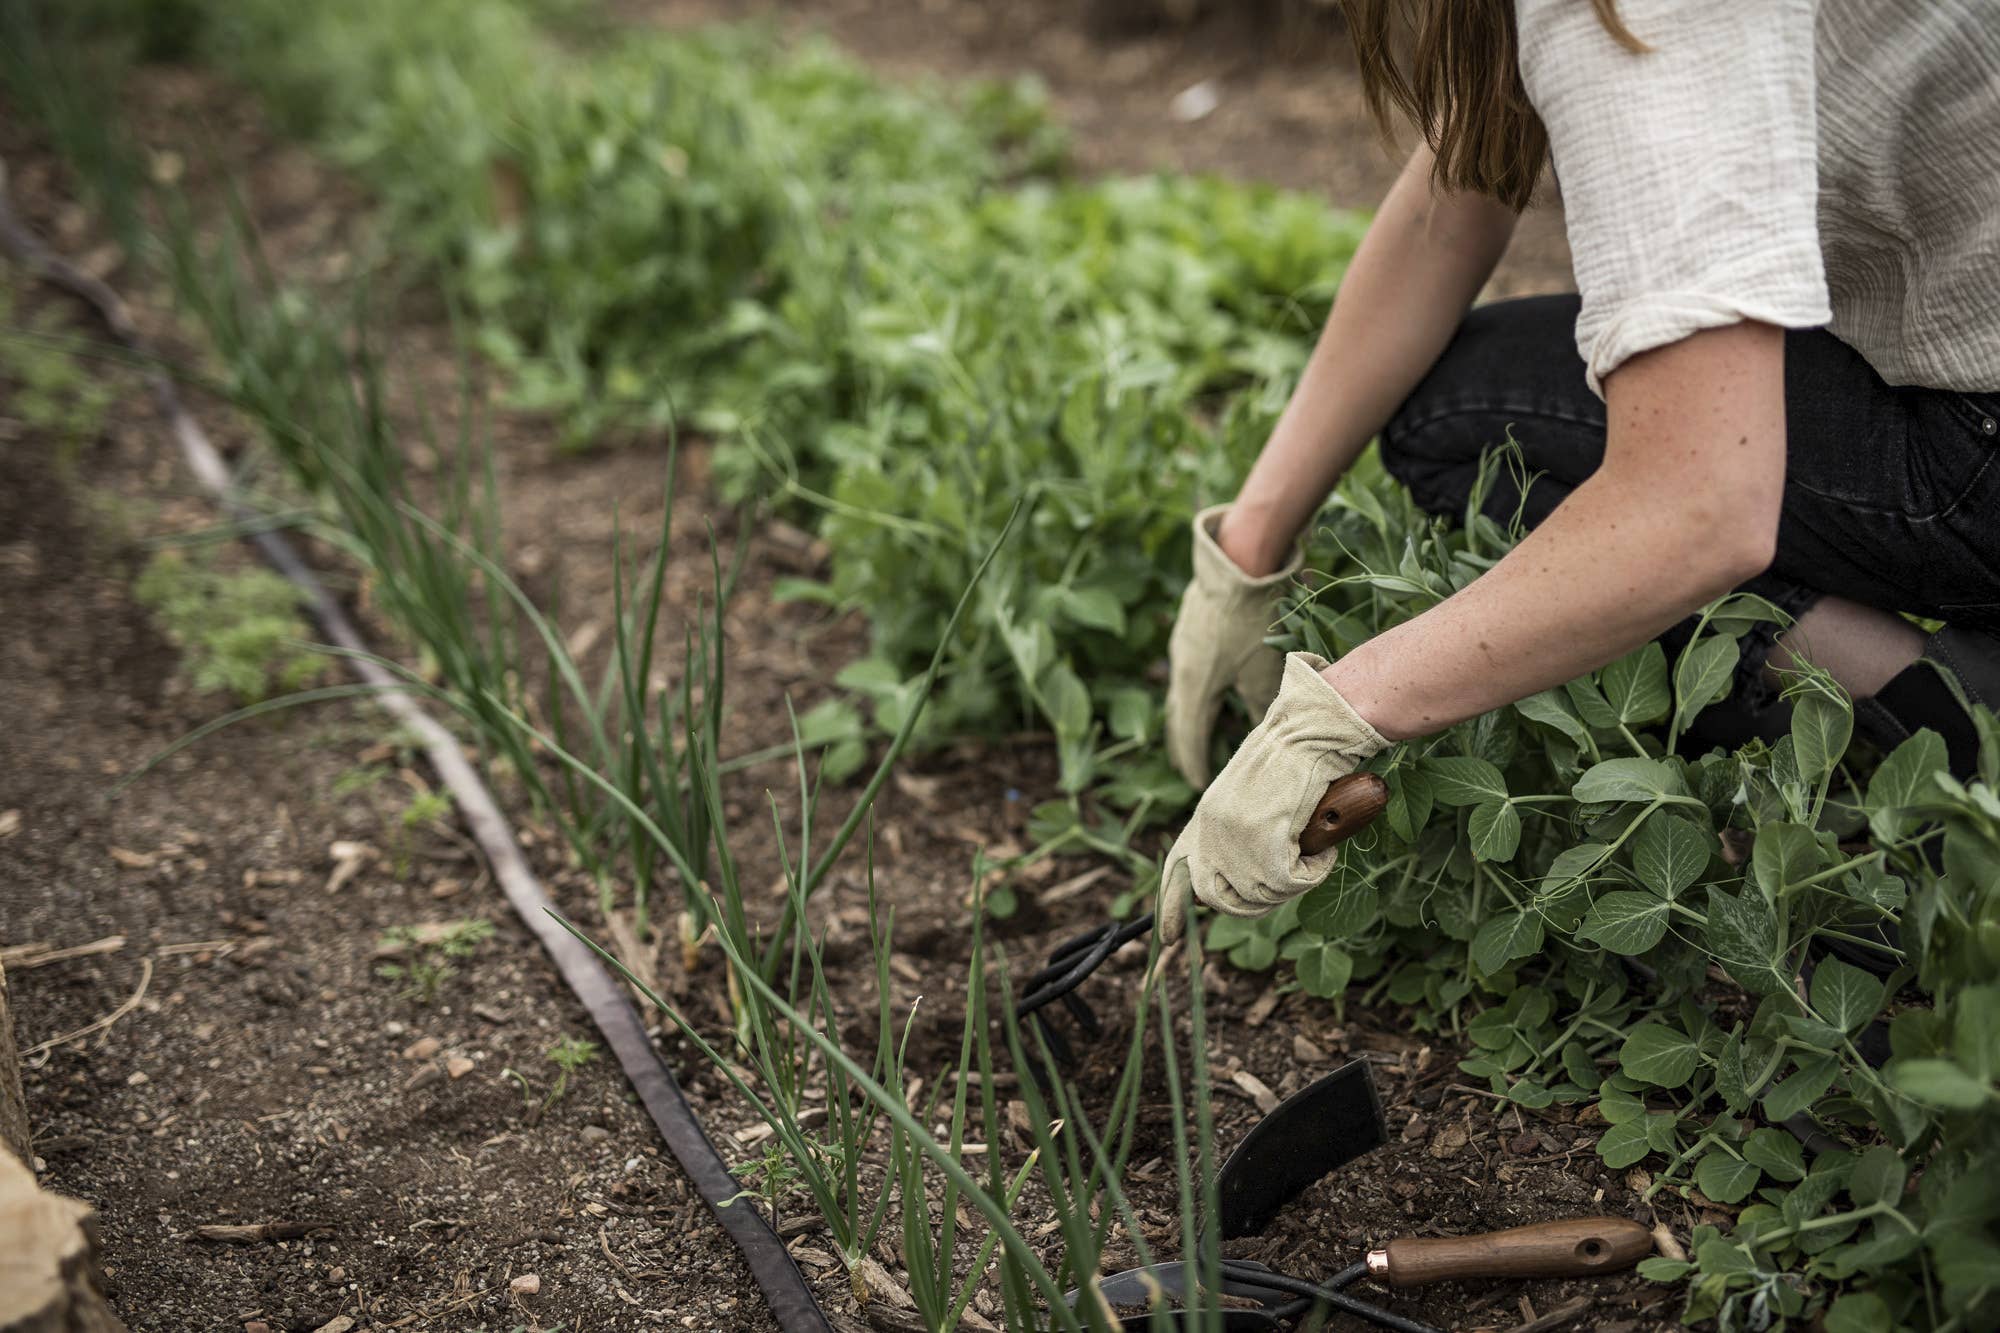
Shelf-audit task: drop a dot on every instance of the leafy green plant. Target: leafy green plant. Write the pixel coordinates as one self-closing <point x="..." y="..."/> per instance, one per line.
<point x="427" y="956"/>
<point x="884" y="305"/>
<point x="568" y="1054"/>
<point x="1558" y="885"/>
<point x="50" y="389"/>
<point x="239" y="631"/>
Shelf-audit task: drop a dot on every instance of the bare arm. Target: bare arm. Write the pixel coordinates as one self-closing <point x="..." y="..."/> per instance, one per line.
<point x="1425" y="257"/>
<point x="1684" y="508"/>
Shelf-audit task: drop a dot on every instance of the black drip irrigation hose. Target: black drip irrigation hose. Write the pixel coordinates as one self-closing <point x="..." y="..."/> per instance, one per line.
<point x="610" y="1007"/>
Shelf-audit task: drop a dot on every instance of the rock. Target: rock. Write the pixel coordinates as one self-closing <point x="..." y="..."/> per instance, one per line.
<point x="1448" y="1140"/>
<point x="457" y="1066"/>
<point x="338" y="1324"/>
<point x="595" y="1134"/>
<point x="423" y="1048"/>
<point x="1306" y="1051"/>
<point x="528" y="1284"/>
<point x="423" y="1078"/>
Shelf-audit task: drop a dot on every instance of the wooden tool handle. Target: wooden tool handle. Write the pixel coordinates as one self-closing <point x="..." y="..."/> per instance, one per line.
<point x="1350" y="805"/>
<point x="1576" y="1247"/>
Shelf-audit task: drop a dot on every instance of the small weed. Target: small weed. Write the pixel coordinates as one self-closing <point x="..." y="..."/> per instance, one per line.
<point x="430" y="955"/>
<point x="238" y="632"/>
<point x="569" y="1055"/>
<point x="49" y="388"/>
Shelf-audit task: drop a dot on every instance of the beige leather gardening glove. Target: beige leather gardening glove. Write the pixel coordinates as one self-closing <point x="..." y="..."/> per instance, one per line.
<point x="1240" y="851"/>
<point x="1218" y="641"/>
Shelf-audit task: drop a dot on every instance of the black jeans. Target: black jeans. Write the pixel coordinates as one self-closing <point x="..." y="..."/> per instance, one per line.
<point x="1892" y="495"/>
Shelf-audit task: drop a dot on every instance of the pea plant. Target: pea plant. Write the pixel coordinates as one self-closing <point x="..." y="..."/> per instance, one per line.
<point x="1767" y="973"/>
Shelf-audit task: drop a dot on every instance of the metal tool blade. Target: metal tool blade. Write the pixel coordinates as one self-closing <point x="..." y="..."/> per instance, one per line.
<point x="1315" y="1130"/>
<point x="1166" y="1283"/>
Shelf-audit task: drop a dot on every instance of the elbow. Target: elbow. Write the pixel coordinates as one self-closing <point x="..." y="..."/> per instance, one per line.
<point x="1730" y="541"/>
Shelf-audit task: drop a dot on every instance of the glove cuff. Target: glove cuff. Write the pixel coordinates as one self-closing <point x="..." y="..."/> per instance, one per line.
<point x="1217" y="573"/>
<point x="1312" y="710"/>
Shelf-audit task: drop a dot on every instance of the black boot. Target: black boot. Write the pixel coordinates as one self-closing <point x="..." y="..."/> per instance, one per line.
<point x="1922" y="695"/>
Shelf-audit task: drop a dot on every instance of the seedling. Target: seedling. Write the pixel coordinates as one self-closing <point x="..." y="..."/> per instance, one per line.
<point x="429" y="955"/>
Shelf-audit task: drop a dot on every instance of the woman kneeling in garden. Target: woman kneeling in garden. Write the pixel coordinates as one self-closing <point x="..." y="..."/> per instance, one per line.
<point x="1782" y="374"/>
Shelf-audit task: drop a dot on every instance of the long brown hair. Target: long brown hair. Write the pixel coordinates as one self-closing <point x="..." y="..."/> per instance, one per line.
<point x="1461" y="86"/>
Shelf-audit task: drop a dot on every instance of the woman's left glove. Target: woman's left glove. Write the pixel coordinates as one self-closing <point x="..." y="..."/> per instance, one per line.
<point x="1240" y="852"/>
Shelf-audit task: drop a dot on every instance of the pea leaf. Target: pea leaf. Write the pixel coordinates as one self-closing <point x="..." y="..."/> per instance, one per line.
<point x="1743" y="936"/>
<point x="1067" y="701"/>
<point x="1859" y="1312"/>
<point x="1636" y="685"/>
<point x="1844" y="995"/>
<point x="1345" y="905"/>
<point x="1324" y="970"/>
<point x="1409" y="807"/>
<point x="1624" y="1144"/>
<point x="1578" y="1065"/>
<point x="1132" y="712"/>
<point x="1626" y="922"/>
<point x="1731" y="1078"/>
<point x="1660" y="1055"/>
<point x="1093" y="608"/>
<point x="1784" y="854"/>
<point x="1669" y="853"/>
<point x="1590" y="702"/>
<point x="1806" y="1085"/>
<point x="1504" y="937"/>
<point x="1553" y="709"/>
<point x="1628" y="779"/>
<point x="1940" y="1083"/>
<point x="1464" y="780"/>
<point x="1821" y="726"/>
<point x="1702" y="676"/>
<point x="1725" y="1178"/>
<point x="1777" y="1152"/>
<point x="1878" y="1177"/>
<point x="1901" y="781"/>
<point x="1495" y="830"/>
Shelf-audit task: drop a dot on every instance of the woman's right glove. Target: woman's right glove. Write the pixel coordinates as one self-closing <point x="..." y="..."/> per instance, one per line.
<point x="1240" y="852"/>
<point x="1218" y="641"/>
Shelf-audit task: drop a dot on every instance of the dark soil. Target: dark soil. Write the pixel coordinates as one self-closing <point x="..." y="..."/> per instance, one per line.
<point x="266" y="1073"/>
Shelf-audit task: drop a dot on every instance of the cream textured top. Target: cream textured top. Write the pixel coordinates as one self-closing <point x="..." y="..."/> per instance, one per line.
<point x="1798" y="162"/>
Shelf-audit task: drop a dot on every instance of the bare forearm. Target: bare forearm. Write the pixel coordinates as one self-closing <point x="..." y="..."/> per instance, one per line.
<point x="1425" y="257"/>
<point x="1685" y="507"/>
<point x="1599" y="577"/>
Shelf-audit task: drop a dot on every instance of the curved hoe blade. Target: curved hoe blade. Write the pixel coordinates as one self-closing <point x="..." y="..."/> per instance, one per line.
<point x="1318" y="1128"/>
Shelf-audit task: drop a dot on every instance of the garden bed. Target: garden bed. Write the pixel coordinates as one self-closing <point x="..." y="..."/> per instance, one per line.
<point x="312" y="1027"/>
